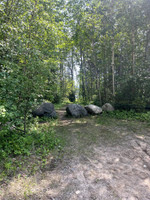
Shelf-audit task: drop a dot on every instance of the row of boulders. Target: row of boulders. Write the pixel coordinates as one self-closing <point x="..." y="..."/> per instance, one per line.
<point x="74" y="110"/>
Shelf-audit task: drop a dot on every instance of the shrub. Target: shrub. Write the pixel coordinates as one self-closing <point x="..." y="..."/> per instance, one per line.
<point x="57" y="98"/>
<point x="129" y="115"/>
<point x="14" y="144"/>
<point x="72" y="97"/>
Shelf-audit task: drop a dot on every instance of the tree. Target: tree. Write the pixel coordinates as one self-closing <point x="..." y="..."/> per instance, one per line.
<point x="28" y="55"/>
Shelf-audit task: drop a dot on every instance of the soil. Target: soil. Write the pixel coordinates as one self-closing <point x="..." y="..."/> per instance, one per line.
<point x="102" y="159"/>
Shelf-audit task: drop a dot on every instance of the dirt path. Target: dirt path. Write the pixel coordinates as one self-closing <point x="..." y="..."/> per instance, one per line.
<point x="106" y="161"/>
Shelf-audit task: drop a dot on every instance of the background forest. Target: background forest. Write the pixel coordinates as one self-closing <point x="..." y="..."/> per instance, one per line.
<point x="95" y="50"/>
<point x="44" y="42"/>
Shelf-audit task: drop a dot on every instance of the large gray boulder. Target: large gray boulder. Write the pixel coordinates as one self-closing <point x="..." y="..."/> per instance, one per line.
<point x="76" y="110"/>
<point x="45" y="110"/>
<point x="107" y="107"/>
<point x="94" y="110"/>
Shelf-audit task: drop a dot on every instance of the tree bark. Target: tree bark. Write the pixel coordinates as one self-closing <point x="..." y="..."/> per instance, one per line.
<point x="147" y="47"/>
<point x="82" y="75"/>
<point x="133" y="51"/>
<point x="72" y="68"/>
<point x="113" y="67"/>
<point x="61" y="78"/>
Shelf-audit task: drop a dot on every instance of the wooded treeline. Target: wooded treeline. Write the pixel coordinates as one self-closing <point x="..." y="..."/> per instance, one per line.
<point x="113" y="43"/>
<point x="43" y="42"/>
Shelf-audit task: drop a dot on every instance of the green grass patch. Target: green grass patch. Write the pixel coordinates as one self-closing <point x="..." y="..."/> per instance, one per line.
<point x="17" y="147"/>
<point x="111" y="118"/>
<point x="128" y="115"/>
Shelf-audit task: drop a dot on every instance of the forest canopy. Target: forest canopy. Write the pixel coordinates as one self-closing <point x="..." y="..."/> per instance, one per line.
<point x="43" y="43"/>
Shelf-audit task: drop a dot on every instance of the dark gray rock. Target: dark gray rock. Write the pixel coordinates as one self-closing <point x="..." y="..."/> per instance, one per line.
<point x="76" y="110"/>
<point x="94" y="110"/>
<point x="107" y="107"/>
<point x="45" y="110"/>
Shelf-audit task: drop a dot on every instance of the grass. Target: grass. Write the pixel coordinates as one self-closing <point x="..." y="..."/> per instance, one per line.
<point x="85" y="132"/>
<point x="33" y="148"/>
<point x="108" y="128"/>
<point x="128" y="115"/>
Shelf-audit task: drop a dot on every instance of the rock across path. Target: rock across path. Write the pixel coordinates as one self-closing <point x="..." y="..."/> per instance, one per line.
<point x="106" y="161"/>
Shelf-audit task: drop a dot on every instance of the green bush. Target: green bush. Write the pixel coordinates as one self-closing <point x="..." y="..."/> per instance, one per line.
<point x="16" y="146"/>
<point x="134" y="94"/>
<point x="72" y="97"/>
<point x="129" y="115"/>
<point x="96" y="100"/>
<point x="57" y="98"/>
<point x="13" y="144"/>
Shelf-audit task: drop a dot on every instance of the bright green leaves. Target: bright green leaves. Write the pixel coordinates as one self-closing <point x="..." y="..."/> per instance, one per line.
<point x="30" y="37"/>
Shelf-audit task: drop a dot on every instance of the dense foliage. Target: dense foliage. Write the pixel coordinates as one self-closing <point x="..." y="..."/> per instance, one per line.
<point x="112" y="41"/>
<point x="43" y="43"/>
<point x="94" y="50"/>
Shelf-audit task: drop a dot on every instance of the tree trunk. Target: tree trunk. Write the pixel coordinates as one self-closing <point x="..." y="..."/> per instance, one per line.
<point x="72" y="68"/>
<point x="113" y="68"/>
<point x="82" y="75"/>
<point x="61" y="78"/>
<point x="147" y="47"/>
<point x="133" y="52"/>
<point x="99" y="91"/>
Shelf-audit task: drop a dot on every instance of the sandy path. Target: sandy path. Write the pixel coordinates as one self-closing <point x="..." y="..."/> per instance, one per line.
<point x="100" y="162"/>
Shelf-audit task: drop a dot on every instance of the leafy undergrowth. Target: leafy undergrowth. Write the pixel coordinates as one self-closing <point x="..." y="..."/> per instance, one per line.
<point x="62" y="104"/>
<point x="26" y="152"/>
<point x="128" y="115"/>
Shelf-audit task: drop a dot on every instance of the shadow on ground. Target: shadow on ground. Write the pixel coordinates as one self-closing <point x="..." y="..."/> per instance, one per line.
<point x="103" y="159"/>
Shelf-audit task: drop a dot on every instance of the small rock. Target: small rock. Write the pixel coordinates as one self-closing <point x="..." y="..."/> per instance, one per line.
<point x="78" y="192"/>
